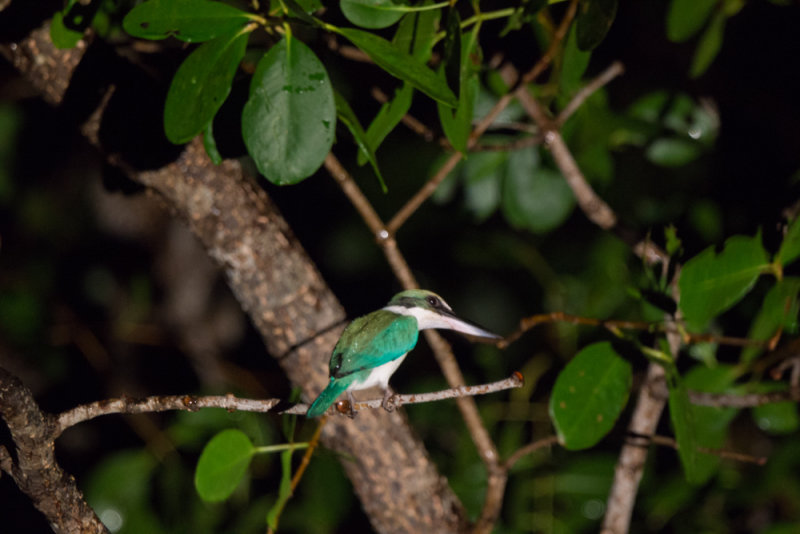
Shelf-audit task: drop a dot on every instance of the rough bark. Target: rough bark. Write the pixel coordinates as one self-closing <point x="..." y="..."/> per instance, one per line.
<point x="34" y="468"/>
<point x="294" y="310"/>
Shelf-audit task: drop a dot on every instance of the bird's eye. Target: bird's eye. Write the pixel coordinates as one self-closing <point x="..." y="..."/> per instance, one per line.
<point x="433" y="301"/>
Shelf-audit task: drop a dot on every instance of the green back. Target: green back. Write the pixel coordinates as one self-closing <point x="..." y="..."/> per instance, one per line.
<point x="373" y="340"/>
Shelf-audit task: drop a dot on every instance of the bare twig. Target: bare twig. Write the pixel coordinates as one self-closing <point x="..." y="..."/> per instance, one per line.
<point x="192" y="403"/>
<point x="613" y="70"/>
<point x="666" y="441"/>
<point x="161" y="403"/>
<point x="532" y="447"/>
<point x="750" y="400"/>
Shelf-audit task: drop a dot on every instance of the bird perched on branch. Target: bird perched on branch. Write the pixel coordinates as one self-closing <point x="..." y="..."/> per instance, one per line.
<point x="372" y="347"/>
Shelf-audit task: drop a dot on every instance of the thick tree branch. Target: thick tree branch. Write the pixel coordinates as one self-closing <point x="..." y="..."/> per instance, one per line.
<point x="34" y="468"/>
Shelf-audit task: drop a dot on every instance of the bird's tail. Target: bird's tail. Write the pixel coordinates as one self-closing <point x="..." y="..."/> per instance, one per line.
<point x="335" y="388"/>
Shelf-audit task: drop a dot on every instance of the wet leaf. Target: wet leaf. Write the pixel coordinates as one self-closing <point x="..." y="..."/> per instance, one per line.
<point x="289" y="121"/>
<point x="201" y="85"/>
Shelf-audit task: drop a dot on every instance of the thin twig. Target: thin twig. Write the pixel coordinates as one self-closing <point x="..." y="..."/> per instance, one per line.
<point x="532" y="447"/>
<point x="667" y="441"/>
<point x="162" y="403"/>
<point x="613" y="70"/>
<point x="192" y="403"/>
<point x="749" y="400"/>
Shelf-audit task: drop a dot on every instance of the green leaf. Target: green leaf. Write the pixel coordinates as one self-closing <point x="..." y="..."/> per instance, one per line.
<point x="289" y="121"/>
<point x="682" y="417"/>
<point x="457" y="124"/>
<point x="416" y="33"/>
<point x="594" y="20"/>
<point x="187" y="20"/>
<point x="709" y="45"/>
<point x="588" y="396"/>
<point x="790" y="246"/>
<point x="711" y="283"/>
<point x="389" y="116"/>
<point x="452" y="60"/>
<point x="400" y="64"/>
<point x="348" y="117"/>
<point x="673" y="151"/>
<point x="222" y="465"/>
<point x="62" y="36"/>
<point x="779" y="310"/>
<point x="686" y="17"/>
<point x="574" y="64"/>
<point x="535" y="198"/>
<point x="201" y="85"/>
<point x="371" y="13"/>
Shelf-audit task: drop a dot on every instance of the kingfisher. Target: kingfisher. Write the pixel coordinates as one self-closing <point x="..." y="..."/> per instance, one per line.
<point x="372" y="347"/>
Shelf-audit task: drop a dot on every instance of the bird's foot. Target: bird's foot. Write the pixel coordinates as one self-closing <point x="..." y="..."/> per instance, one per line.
<point x="352" y="413"/>
<point x="389" y="402"/>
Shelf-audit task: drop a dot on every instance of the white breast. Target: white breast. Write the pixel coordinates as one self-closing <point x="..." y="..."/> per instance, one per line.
<point x="379" y="376"/>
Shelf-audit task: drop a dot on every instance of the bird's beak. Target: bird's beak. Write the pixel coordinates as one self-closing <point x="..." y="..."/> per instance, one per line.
<point x="467" y="327"/>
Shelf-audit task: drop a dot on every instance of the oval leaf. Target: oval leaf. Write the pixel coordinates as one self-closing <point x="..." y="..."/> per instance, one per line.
<point x="289" y="121"/>
<point x="371" y="14"/>
<point x="201" y="85"/>
<point x="589" y="395"/>
<point x="222" y="465"/>
<point x="400" y="64"/>
<point x="711" y="283"/>
<point x="187" y="20"/>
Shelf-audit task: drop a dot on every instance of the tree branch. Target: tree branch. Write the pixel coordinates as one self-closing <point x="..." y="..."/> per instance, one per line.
<point x="193" y="403"/>
<point x="34" y="469"/>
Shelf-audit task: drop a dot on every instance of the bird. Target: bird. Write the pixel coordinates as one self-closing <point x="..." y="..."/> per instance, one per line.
<point x="373" y="346"/>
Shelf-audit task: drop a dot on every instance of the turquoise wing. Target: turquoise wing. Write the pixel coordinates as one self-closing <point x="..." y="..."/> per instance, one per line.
<point x="372" y="341"/>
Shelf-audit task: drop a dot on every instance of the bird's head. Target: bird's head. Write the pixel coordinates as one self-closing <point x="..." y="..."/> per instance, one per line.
<point x="431" y="311"/>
